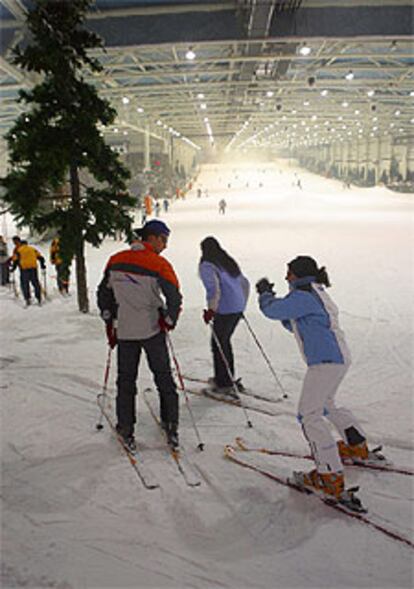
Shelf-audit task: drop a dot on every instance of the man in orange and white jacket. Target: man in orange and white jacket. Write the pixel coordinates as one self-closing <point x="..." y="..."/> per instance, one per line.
<point x="139" y="299"/>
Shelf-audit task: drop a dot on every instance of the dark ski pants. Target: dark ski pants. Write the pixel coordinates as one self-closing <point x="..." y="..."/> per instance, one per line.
<point x="4" y="273"/>
<point x="62" y="277"/>
<point x="224" y="326"/>
<point x="27" y="277"/>
<point x="129" y="354"/>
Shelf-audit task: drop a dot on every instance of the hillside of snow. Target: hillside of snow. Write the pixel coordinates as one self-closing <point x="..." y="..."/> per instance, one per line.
<point x="74" y="514"/>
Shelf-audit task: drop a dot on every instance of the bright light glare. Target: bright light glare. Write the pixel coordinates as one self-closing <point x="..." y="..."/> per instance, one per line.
<point x="190" y="55"/>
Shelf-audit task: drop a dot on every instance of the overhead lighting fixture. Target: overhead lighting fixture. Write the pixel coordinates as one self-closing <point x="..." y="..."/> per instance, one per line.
<point x="345" y="104"/>
<point x="200" y="95"/>
<point x="203" y="106"/>
<point x="397" y="113"/>
<point x="269" y="93"/>
<point x="190" y="55"/>
<point x="412" y="93"/>
<point x="324" y="92"/>
<point x="350" y="76"/>
<point x="125" y="100"/>
<point x="357" y="112"/>
<point x="140" y="109"/>
<point x="371" y="93"/>
<point x="306" y="103"/>
<point x="305" y="50"/>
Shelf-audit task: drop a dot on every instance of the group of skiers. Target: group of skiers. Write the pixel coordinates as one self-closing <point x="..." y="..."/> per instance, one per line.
<point x="26" y="257"/>
<point x="140" y="301"/>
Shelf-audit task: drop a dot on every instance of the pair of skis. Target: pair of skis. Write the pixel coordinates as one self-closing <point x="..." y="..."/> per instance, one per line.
<point x="136" y="459"/>
<point x="239" y="454"/>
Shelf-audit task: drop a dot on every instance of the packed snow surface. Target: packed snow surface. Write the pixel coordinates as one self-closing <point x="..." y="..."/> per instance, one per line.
<point x="75" y="515"/>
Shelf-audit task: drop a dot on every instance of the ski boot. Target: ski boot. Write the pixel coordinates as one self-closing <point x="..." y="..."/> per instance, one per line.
<point x="171" y="431"/>
<point x="127" y="439"/>
<point x="330" y="487"/>
<point x="360" y="454"/>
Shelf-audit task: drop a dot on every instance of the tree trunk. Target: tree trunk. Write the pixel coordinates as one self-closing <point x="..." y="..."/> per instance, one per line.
<point x="82" y="287"/>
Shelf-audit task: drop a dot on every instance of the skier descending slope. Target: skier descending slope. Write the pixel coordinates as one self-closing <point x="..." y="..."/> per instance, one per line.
<point x="312" y="316"/>
<point x="130" y="293"/>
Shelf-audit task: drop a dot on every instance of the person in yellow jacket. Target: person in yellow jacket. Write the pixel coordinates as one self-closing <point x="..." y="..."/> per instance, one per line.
<point x="26" y="257"/>
<point x="62" y="267"/>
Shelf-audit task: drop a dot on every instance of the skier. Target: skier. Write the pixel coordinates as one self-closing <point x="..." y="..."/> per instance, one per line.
<point x="312" y="316"/>
<point x="198" y="192"/>
<point x="62" y="267"/>
<point x="166" y="205"/>
<point x="4" y="262"/>
<point x="222" y="206"/>
<point x="157" y="208"/>
<point x="26" y="257"/>
<point x="227" y="291"/>
<point x="129" y="299"/>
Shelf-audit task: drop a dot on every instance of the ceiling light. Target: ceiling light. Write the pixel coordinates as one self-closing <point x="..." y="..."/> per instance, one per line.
<point x="397" y="113"/>
<point x="371" y="93"/>
<point x="357" y="112"/>
<point x="324" y="93"/>
<point x="306" y="103"/>
<point x="203" y="106"/>
<point x="412" y="93"/>
<point x="350" y="75"/>
<point x="190" y="55"/>
<point x="200" y="95"/>
<point x="125" y="100"/>
<point x="305" y="49"/>
<point x="140" y="109"/>
<point x="345" y="104"/>
<point x="125" y="132"/>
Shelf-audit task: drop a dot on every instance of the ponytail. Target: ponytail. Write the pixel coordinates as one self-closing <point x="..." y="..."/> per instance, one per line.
<point x="322" y="277"/>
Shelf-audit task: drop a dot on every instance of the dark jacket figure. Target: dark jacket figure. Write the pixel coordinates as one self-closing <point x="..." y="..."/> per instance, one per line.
<point x="227" y="291"/>
<point x="26" y="257"/>
<point x="222" y="206"/>
<point x="4" y="262"/>
<point x="62" y="267"/>
<point x="139" y="299"/>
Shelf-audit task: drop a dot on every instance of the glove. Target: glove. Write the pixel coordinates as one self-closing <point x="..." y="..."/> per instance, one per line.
<point x="263" y="285"/>
<point x="208" y="315"/>
<point x="111" y="334"/>
<point x="165" y="323"/>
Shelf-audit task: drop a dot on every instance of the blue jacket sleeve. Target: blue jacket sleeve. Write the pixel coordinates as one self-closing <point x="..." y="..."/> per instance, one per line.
<point x="294" y="305"/>
<point x="210" y="280"/>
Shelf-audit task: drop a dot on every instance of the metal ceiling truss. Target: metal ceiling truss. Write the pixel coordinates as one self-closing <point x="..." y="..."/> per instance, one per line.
<point x="259" y="89"/>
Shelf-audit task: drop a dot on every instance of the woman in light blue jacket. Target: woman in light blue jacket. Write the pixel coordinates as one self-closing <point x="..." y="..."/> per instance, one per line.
<point x="312" y="316"/>
<point x="227" y="291"/>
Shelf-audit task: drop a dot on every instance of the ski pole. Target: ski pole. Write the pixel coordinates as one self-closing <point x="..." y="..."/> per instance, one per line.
<point x="99" y="425"/>
<point x="44" y="283"/>
<point x="181" y="381"/>
<point x="285" y="395"/>
<point x="233" y="382"/>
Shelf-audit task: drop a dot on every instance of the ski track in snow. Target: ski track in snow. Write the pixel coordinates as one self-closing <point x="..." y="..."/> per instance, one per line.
<point x="74" y="514"/>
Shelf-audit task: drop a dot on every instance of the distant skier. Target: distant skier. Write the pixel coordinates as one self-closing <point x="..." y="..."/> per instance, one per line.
<point x="312" y="316"/>
<point x="166" y="205"/>
<point x="198" y="192"/>
<point x="227" y="291"/>
<point x="299" y="184"/>
<point x="157" y="208"/>
<point x="4" y="262"/>
<point x="222" y="206"/>
<point x="62" y="266"/>
<point x="26" y="257"/>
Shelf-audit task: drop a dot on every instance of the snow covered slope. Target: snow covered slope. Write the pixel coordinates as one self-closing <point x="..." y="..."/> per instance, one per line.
<point x="73" y="512"/>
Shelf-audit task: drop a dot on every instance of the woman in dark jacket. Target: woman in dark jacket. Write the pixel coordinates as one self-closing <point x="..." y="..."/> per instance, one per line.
<point x="227" y="291"/>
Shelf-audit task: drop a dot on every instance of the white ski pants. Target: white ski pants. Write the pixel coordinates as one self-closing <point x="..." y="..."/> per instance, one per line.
<point x="317" y="402"/>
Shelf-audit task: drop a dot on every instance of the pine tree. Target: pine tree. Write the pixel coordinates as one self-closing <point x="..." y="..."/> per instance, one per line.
<point x="58" y="136"/>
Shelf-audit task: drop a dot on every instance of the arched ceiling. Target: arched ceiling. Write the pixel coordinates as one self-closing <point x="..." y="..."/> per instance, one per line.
<point x="265" y="72"/>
